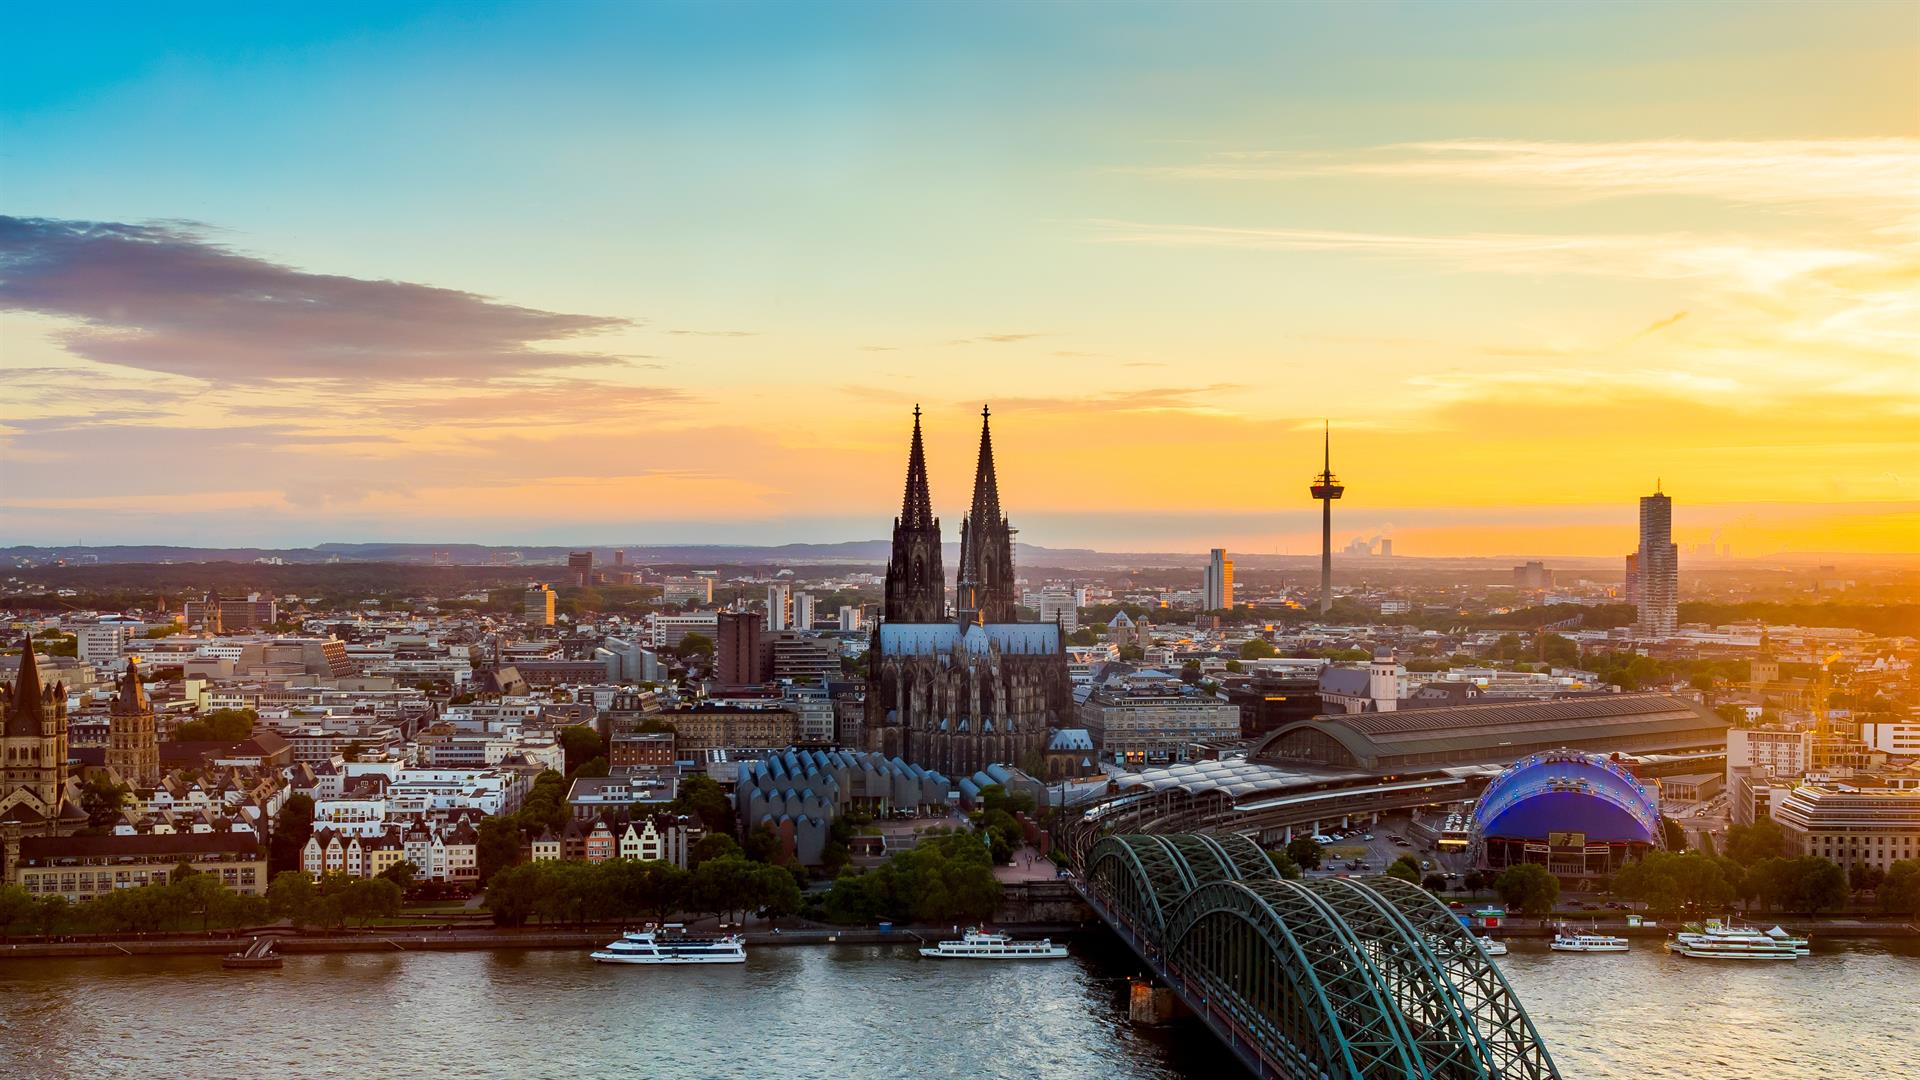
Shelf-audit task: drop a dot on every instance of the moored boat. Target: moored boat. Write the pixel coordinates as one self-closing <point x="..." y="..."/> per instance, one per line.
<point x="671" y="946"/>
<point x="258" y="955"/>
<point x="982" y="945"/>
<point x="1729" y="941"/>
<point x="1575" y="942"/>
<point x="1492" y="946"/>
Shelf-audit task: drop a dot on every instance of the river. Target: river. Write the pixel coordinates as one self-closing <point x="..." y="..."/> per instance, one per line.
<point x="1851" y="1010"/>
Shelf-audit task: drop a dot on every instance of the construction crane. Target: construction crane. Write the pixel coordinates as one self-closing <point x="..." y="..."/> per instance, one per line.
<point x="1825" y="746"/>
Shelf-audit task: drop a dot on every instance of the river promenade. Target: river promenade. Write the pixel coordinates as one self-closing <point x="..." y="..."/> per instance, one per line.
<point x="410" y="939"/>
<point x="473" y="935"/>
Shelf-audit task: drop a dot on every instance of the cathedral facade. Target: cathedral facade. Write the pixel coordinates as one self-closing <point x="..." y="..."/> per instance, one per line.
<point x="956" y="692"/>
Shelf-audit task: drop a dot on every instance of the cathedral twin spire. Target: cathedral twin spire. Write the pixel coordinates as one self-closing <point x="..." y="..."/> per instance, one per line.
<point x="916" y="585"/>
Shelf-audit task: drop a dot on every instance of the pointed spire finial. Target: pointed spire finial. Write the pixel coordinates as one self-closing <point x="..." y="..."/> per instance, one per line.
<point x="916" y="506"/>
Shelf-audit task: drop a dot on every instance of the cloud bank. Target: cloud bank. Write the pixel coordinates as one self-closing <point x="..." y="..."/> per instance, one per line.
<point x="163" y="297"/>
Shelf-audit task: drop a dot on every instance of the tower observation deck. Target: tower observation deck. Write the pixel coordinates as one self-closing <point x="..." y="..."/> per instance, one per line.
<point x="1326" y="488"/>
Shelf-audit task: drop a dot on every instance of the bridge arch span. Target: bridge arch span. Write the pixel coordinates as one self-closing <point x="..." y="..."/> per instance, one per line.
<point x="1280" y="963"/>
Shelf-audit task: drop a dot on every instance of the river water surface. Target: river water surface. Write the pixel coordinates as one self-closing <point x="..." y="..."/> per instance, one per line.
<point x="1851" y="1010"/>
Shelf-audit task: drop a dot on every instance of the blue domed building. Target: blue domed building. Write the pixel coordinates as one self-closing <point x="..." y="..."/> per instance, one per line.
<point x="1579" y="815"/>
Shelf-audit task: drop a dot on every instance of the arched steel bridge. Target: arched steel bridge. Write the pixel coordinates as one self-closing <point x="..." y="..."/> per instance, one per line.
<point x="1328" y="978"/>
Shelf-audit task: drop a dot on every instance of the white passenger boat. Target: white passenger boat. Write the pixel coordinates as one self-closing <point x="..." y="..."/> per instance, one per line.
<point x="1726" y="941"/>
<point x="1492" y="946"/>
<point x="1570" y="942"/>
<point x="673" y="947"/>
<point x="980" y="945"/>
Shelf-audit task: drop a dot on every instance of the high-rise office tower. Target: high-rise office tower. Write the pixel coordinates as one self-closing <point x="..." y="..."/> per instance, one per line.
<point x="580" y="567"/>
<point x="803" y="611"/>
<point x="1659" y="566"/>
<point x="1326" y="489"/>
<point x="1217" y="589"/>
<point x="780" y="606"/>
<point x="537" y="605"/>
<point x="739" y="659"/>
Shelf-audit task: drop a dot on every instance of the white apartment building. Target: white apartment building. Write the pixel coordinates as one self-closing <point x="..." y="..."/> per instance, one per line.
<point x="670" y="630"/>
<point x="1057" y="605"/>
<point x="101" y="643"/>
<point x="1896" y="738"/>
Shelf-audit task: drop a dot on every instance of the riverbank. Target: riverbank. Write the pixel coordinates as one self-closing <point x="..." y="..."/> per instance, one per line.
<point x="291" y="943"/>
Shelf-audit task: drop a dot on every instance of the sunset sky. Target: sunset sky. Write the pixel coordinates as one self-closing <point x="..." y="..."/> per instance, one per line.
<point x="579" y="273"/>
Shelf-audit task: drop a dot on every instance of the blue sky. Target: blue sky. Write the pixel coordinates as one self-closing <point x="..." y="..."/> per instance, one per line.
<point x="1594" y="244"/>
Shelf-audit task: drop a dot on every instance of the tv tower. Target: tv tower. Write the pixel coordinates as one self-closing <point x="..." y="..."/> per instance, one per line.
<point x="1326" y="489"/>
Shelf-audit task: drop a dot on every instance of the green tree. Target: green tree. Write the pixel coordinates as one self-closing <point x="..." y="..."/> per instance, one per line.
<point x="1559" y="651"/>
<point x="292" y="828"/>
<point x="103" y="799"/>
<point x="696" y="645"/>
<point x="1899" y="891"/>
<point x="1673" y="834"/>
<point x="762" y="844"/>
<point x="197" y="895"/>
<point x="1807" y="883"/>
<point x="51" y="913"/>
<point x="1528" y="888"/>
<point x="1749" y="844"/>
<point x="774" y="892"/>
<point x="289" y="894"/>
<point x="701" y="797"/>
<point x="1082" y="636"/>
<point x="545" y="807"/>
<point x="1406" y="869"/>
<point x="1284" y="865"/>
<point x="16" y="905"/>
<point x="220" y="725"/>
<point x="1434" y="883"/>
<point x="1306" y="852"/>
<point x="499" y="846"/>
<point x="514" y="893"/>
<point x="714" y="845"/>
<point x="581" y="744"/>
<point x="368" y="899"/>
<point x="1257" y="649"/>
<point x="401" y="874"/>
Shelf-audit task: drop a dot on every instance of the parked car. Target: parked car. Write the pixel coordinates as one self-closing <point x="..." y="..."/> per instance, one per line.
<point x="1369" y="836"/>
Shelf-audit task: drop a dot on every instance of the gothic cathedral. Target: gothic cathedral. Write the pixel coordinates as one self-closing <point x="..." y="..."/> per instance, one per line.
<point x="956" y="694"/>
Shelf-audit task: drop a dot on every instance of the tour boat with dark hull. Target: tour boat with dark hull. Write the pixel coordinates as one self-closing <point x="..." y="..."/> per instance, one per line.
<point x="980" y="945"/>
<point x="672" y="947"/>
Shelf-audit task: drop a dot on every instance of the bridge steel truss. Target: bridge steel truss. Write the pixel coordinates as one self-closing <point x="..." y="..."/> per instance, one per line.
<point x="1363" y="978"/>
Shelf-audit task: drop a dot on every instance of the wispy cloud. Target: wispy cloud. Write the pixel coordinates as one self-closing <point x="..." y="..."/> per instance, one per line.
<point x="163" y="297"/>
<point x="1152" y="399"/>
<point x="1880" y="171"/>
<point x="715" y="333"/>
<point x="999" y="339"/>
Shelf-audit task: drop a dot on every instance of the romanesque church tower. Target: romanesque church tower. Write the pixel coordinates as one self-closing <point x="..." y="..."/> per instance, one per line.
<point x="133" y="748"/>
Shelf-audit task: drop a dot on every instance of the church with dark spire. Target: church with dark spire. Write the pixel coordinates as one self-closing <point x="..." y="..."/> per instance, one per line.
<point x="35" y="796"/>
<point x="957" y="693"/>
